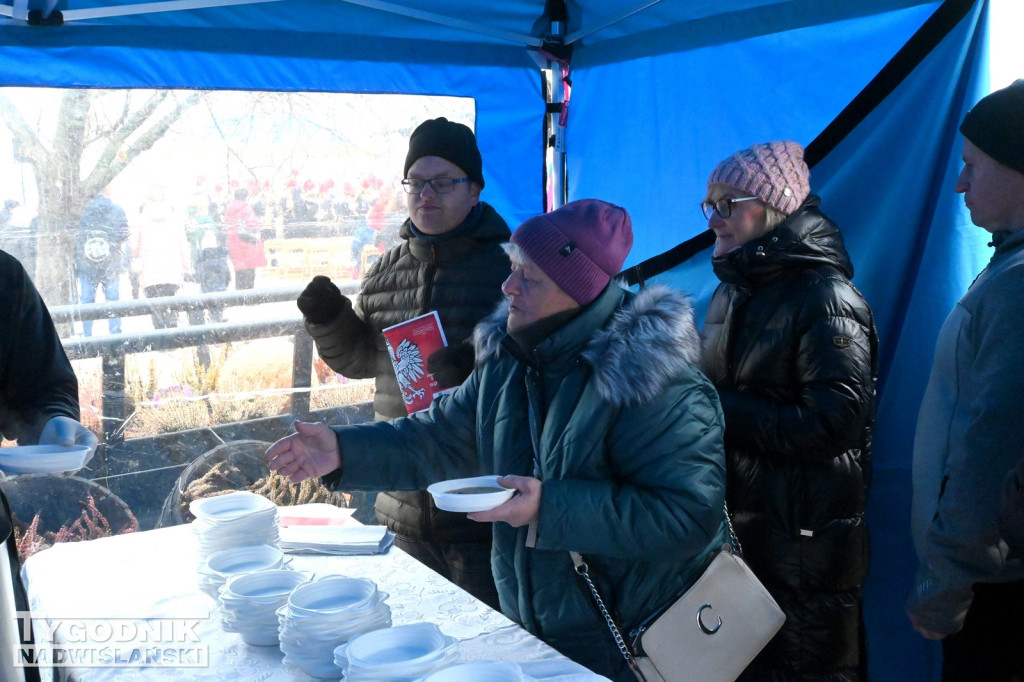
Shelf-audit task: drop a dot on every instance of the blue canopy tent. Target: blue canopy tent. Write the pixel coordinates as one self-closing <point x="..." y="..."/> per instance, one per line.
<point x="660" y="92"/>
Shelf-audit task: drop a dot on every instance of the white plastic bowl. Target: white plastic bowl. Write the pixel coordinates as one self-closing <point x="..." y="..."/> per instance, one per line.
<point x="447" y="499"/>
<point x="332" y="594"/>
<point x="42" y="459"/>
<point x="270" y="585"/>
<point x="243" y="559"/>
<point x="400" y="651"/>
<point x="230" y="507"/>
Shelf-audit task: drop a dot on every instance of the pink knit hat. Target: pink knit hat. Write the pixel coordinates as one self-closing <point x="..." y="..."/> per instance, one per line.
<point x="773" y="171"/>
<point x="580" y="246"/>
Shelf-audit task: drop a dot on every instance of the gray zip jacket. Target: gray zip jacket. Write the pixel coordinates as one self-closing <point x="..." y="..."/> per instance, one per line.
<point x="968" y="438"/>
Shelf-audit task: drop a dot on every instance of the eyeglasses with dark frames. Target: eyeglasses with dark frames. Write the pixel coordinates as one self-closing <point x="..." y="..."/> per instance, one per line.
<point x="723" y="207"/>
<point x="439" y="185"/>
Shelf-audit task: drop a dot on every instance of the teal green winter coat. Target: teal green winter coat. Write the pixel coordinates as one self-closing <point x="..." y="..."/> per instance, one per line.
<point x="630" y="455"/>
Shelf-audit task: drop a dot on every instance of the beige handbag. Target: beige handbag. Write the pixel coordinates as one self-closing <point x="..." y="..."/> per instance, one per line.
<point x="709" y="634"/>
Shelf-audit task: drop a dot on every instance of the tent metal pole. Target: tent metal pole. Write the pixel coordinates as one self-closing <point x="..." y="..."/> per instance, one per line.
<point x="556" y="107"/>
<point x="556" y="142"/>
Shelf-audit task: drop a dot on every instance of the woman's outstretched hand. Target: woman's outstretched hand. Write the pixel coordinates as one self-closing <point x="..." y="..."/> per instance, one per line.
<point x="311" y="451"/>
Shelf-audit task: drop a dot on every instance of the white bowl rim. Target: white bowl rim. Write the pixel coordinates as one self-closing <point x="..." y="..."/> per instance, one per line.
<point x="356" y="650"/>
<point x="257" y="550"/>
<point x="43" y="459"/>
<point x="250" y="503"/>
<point x="468" y="503"/>
<point x="50" y="449"/>
<point x="323" y="583"/>
<point x="286" y="578"/>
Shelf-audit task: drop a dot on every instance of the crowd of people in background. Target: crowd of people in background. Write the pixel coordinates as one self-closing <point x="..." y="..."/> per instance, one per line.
<point x="211" y="241"/>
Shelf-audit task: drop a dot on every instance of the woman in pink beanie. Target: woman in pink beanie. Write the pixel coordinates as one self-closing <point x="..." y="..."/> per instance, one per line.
<point x="790" y="345"/>
<point x="586" y="398"/>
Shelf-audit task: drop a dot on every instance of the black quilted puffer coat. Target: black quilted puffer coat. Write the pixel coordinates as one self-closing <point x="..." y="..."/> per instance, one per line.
<point x="460" y="278"/>
<point x="790" y="344"/>
<point x="37" y="382"/>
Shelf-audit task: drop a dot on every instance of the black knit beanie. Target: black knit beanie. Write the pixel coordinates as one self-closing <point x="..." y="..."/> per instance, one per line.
<point x="996" y="125"/>
<point x="453" y="142"/>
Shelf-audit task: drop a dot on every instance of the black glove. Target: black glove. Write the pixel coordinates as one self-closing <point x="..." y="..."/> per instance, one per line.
<point x="452" y="364"/>
<point x="321" y="301"/>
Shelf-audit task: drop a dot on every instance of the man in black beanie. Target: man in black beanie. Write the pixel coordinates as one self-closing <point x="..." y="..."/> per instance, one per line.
<point x="450" y="260"/>
<point x="968" y="592"/>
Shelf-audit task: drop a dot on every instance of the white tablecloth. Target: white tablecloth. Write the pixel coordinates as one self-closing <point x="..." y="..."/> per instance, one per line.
<point x="153" y="574"/>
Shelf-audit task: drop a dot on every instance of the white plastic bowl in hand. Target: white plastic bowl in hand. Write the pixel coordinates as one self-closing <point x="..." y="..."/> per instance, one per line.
<point x="470" y="494"/>
<point x="43" y="459"/>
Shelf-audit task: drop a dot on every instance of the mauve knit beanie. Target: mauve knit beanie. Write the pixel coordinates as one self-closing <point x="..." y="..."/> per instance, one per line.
<point x="774" y="172"/>
<point x="580" y="246"/>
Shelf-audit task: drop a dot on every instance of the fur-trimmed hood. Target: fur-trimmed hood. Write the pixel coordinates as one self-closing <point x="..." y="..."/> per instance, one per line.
<point x="635" y="353"/>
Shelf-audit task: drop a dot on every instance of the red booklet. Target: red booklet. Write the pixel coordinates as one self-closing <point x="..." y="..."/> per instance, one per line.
<point x="410" y="343"/>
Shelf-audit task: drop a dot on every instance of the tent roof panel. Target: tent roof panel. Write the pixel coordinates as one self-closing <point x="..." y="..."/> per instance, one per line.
<point x="647" y="26"/>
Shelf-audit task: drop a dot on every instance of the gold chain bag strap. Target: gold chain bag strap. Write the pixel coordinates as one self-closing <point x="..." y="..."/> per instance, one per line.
<point x="709" y="634"/>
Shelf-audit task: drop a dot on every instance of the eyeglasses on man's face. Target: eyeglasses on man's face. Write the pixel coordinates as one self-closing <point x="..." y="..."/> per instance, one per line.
<point x="439" y="185"/>
<point x="723" y="207"/>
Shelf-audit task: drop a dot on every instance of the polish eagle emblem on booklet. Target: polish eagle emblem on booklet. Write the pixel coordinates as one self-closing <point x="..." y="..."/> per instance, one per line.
<point x="410" y="343"/>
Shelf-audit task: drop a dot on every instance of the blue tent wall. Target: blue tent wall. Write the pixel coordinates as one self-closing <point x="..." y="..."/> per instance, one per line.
<point x="645" y="133"/>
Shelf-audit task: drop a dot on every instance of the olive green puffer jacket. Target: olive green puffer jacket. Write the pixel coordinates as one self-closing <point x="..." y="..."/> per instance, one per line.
<point x="630" y="454"/>
<point x="461" y="279"/>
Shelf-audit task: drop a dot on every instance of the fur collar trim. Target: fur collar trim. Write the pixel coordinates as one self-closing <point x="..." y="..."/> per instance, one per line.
<point x="648" y="342"/>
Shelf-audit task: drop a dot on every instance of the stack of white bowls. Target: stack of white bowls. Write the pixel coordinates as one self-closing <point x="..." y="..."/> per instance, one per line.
<point x="249" y="603"/>
<point x="219" y="566"/>
<point x="234" y="519"/>
<point x="400" y="654"/>
<point x="322" y="614"/>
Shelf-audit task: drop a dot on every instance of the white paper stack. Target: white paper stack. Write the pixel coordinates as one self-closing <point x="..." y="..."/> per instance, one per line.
<point x="339" y="540"/>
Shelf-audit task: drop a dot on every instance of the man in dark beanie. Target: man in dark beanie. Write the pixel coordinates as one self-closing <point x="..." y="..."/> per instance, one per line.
<point x="450" y="261"/>
<point x="968" y="592"/>
<point x="587" y="399"/>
